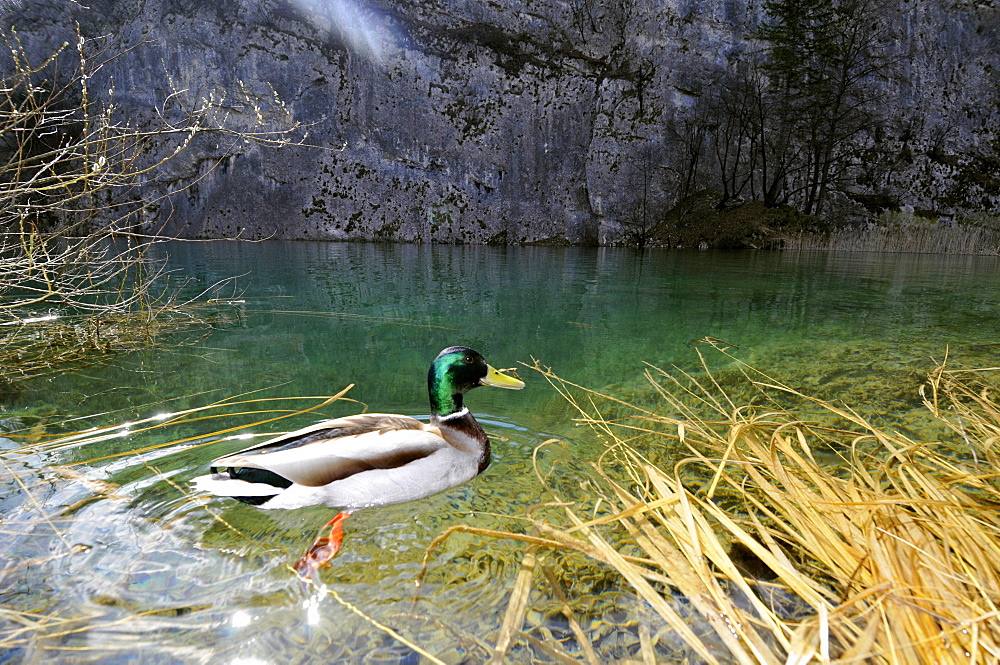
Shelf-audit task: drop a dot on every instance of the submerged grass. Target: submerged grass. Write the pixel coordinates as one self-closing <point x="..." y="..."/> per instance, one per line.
<point x="36" y="346"/>
<point x="791" y="542"/>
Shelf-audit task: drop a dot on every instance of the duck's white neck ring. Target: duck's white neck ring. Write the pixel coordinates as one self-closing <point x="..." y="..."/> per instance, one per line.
<point x="463" y="412"/>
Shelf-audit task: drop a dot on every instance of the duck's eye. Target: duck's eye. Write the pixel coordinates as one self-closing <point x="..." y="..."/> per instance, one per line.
<point x="468" y="359"/>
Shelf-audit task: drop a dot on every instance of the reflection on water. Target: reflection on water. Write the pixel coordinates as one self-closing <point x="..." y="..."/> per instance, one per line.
<point x="139" y="570"/>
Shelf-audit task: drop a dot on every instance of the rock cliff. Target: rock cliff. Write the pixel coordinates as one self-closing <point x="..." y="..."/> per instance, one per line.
<point x="492" y="122"/>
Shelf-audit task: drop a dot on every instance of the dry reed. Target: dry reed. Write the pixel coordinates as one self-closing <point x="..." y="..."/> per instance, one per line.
<point x="902" y="232"/>
<point x="793" y="542"/>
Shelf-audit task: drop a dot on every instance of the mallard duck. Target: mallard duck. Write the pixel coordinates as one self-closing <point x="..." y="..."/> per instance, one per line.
<point x="368" y="460"/>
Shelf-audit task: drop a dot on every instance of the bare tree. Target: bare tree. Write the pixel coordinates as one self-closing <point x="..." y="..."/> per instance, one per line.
<point x="643" y="210"/>
<point x="823" y="58"/>
<point x="782" y="126"/>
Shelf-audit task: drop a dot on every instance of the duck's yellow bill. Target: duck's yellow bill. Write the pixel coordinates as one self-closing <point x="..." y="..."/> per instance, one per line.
<point x="500" y="380"/>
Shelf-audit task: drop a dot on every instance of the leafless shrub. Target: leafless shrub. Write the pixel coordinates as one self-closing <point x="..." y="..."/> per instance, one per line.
<point x="72" y="172"/>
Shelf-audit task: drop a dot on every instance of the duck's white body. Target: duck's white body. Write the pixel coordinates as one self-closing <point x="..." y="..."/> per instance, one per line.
<point x="357" y="462"/>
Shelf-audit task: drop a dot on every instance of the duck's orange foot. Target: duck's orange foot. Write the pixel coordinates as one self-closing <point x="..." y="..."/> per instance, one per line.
<point x="324" y="549"/>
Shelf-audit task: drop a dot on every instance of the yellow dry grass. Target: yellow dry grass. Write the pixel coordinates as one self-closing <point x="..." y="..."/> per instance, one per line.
<point x="890" y="547"/>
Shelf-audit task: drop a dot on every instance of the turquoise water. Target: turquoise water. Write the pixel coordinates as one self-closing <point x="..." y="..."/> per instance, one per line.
<point x="143" y="571"/>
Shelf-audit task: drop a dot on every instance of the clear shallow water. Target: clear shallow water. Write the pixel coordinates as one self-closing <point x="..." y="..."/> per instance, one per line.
<point x="144" y="571"/>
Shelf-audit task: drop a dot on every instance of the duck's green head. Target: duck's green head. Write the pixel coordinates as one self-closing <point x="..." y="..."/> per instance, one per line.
<point x="457" y="370"/>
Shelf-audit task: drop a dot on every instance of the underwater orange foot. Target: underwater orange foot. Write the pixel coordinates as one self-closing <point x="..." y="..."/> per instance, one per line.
<point x="324" y="549"/>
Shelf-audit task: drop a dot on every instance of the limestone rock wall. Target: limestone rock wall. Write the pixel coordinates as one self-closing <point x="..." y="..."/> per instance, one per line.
<point x="481" y="122"/>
